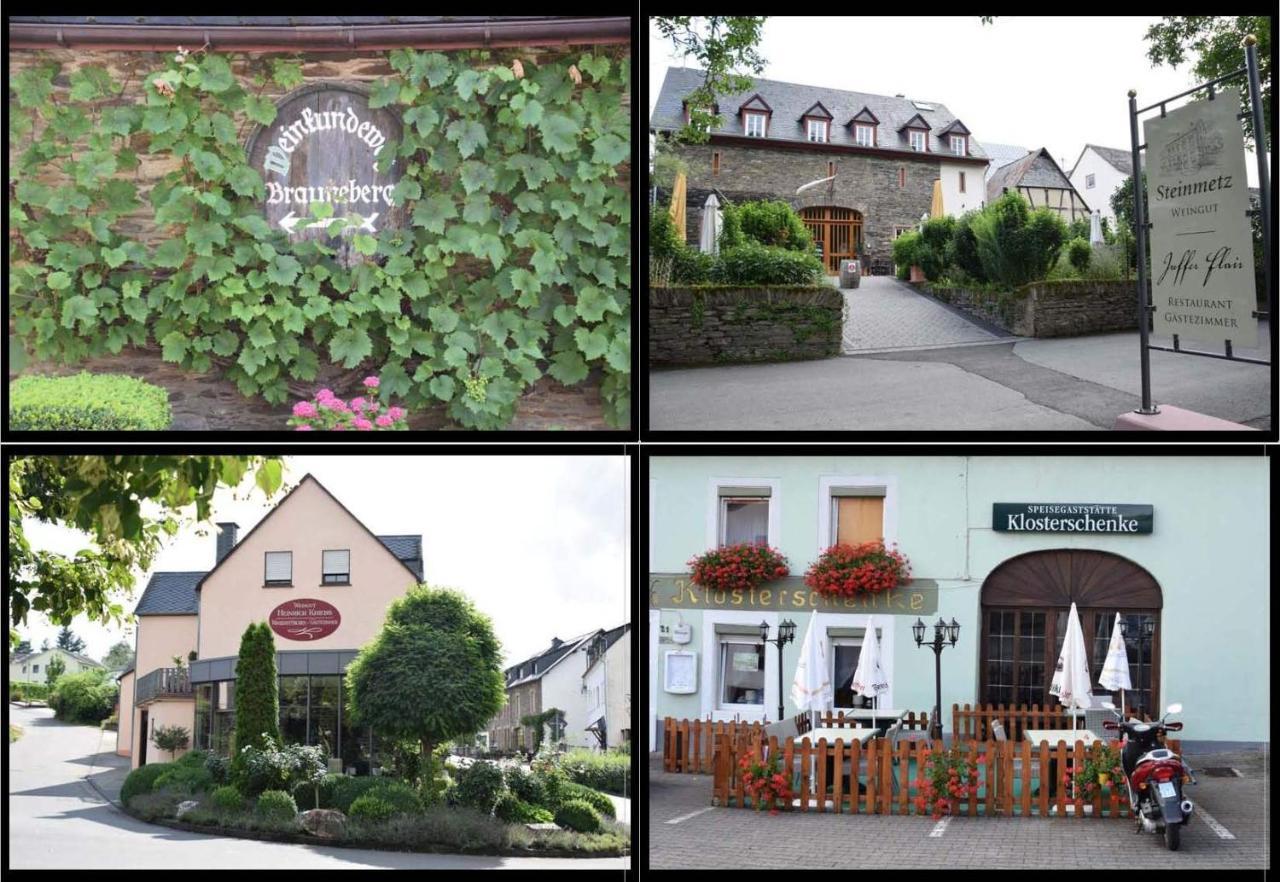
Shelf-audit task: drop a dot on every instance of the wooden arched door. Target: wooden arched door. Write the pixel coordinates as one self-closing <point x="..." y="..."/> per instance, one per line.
<point x="1025" y="605"/>
<point x="839" y="230"/>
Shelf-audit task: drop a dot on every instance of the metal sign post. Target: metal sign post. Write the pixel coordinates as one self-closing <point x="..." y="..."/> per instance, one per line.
<point x="1142" y="226"/>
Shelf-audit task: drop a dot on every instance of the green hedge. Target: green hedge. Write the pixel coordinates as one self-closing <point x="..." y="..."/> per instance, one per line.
<point x="371" y="808"/>
<point x="87" y="697"/>
<point x="228" y="798"/>
<point x="599" y="771"/>
<point x="102" y="402"/>
<point x="514" y="810"/>
<point x="142" y="780"/>
<point x="754" y="264"/>
<point x="596" y="799"/>
<point x="579" y="815"/>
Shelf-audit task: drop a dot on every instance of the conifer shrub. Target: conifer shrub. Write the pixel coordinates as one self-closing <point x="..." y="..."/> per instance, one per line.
<point x="257" y="695"/>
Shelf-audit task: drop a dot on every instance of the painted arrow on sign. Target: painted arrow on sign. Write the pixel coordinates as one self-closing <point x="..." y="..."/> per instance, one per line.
<point x="290" y="222"/>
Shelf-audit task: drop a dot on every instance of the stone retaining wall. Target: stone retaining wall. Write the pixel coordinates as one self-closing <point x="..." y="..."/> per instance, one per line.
<point x="1051" y="309"/>
<point x="728" y="324"/>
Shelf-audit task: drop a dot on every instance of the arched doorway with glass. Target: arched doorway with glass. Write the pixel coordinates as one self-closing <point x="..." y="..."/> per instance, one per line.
<point x="837" y="230"/>
<point x="1025" y="604"/>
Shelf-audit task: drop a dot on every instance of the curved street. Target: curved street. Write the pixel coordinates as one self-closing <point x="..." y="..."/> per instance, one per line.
<point x="57" y="820"/>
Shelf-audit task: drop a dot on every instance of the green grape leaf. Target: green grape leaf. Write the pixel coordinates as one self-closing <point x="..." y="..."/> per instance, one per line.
<point x="387" y="300"/>
<point x="286" y="74"/>
<point x="415" y="286"/>
<point x="468" y="134"/>
<point x="619" y="355"/>
<point x="283" y="269"/>
<point x="113" y="257"/>
<point x="66" y="199"/>
<point x="225" y="343"/>
<point x="260" y="110"/>
<point x="260" y="334"/>
<point x="246" y="181"/>
<point x="443" y="319"/>
<point x="530" y="114"/>
<point x="434" y="67"/>
<point x="469" y="82"/>
<point x="202" y="237"/>
<point x="398" y="265"/>
<point x="215" y="74"/>
<point x="422" y="117"/>
<point x="207" y="165"/>
<point x="455" y="356"/>
<point x="477" y="176"/>
<point x="58" y="281"/>
<point x="565" y="314"/>
<point x="132" y="288"/>
<point x="350" y="346"/>
<point x="594" y="303"/>
<point x="432" y="212"/>
<point x="476" y="210"/>
<point x="529" y="202"/>
<point x="592" y="342"/>
<point x="394" y="380"/>
<point x="605" y="272"/>
<point x="254" y="225"/>
<point x="173" y="346"/>
<point x="568" y="368"/>
<point x="559" y="133"/>
<point x="78" y="309"/>
<point x="223" y="127"/>
<point x="305" y="365"/>
<point x="442" y="386"/>
<point x="365" y="244"/>
<point x="172" y="254"/>
<point x="120" y="120"/>
<point x="119" y="196"/>
<point x="33" y="85"/>
<point x="32" y="193"/>
<point x="408" y="188"/>
<point x="384" y="92"/>
<point x="610" y="149"/>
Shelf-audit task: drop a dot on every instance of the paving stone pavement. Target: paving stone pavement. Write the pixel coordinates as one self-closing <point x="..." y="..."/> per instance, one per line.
<point x="740" y="838"/>
<point x="883" y="313"/>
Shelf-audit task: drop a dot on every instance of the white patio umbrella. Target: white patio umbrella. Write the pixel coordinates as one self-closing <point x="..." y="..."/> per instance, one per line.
<point x="709" y="239"/>
<point x="1071" y="681"/>
<point x="811" y="689"/>
<point x="1095" y="228"/>
<point x="1115" y="670"/>
<point x="869" y="678"/>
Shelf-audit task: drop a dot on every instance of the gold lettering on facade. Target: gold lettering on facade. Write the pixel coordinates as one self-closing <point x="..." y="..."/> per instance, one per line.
<point x="737" y="597"/>
<point x="917" y="601"/>
<point x="764" y="597"/>
<point x="797" y="599"/>
<point x="849" y="602"/>
<point x="719" y="598"/>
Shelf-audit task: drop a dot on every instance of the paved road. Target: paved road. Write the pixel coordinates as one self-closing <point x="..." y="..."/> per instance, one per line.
<point x="883" y="313"/>
<point x="715" y="837"/>
<point x="58" y="821"/>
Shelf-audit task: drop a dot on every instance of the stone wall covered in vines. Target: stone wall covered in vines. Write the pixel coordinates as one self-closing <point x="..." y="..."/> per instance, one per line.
<point x="135" y="220"/>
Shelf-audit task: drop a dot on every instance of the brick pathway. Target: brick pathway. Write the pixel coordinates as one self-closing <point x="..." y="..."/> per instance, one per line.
<point x="738" y="838"/>
<point x="883" y="313"/>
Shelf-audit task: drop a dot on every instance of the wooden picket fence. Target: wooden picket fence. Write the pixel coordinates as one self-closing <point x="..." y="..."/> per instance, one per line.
<point x="974" y="723"/>
<point x="911" y="720"/>
<point x="1004" y="762"/>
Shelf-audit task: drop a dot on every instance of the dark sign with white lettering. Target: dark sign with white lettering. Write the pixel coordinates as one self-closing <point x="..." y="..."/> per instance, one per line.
<point x="1071" y="517"/>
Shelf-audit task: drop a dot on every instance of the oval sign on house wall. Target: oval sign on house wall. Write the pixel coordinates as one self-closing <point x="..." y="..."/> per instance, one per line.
<point x="304" y="619"/>
<point x="322" y="147"/>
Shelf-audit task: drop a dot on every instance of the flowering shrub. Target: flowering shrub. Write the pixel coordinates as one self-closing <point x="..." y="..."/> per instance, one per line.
<point x="847" y="570"/>
<point x="738" y="566"/>
<point x="327" y="411"/>
<point x="1105" y="761"/>
<point x="765" y="783"/>
<point x="944" y="776"/>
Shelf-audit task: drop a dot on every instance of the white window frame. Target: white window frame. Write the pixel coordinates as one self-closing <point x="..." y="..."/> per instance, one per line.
<point x="709" y="678"/>
<point x="826" y="519"/>
<point x="325" y="572"/>
<point x="713" y="506"/>
<point x="748" y="127"/>
<point x="820" y="127"/>
<point x="862" y="128"/>
<point x="912" y="135"/>
<point x="266" y="570"/>
<point x="958" y="145"/>
<point x="1089" y="181"/>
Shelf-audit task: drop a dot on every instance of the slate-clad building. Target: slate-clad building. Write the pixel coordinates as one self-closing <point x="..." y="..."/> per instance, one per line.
<point x="884" y="153"/>
<point x="1041" y="182"/>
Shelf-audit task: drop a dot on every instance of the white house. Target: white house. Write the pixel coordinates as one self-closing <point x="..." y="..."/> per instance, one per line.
<point x="1098" y="172"/>
<point x="562" y="688"/>
<point x="33" y="666"/>
<point x="607" y="686"/>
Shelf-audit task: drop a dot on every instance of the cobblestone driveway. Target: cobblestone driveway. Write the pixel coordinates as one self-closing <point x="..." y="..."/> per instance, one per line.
<point x="883" y="313"/>
<point x="738" y="838"/>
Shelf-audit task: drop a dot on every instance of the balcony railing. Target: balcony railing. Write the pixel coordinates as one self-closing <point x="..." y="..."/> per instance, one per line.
<point x="163" y="683"/>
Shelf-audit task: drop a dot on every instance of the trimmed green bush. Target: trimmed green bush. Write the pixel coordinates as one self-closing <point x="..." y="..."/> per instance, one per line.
<point x="579" y="815"/>
<point x="599" y="771"/>
<point x="348" y="789"/>
<point x="276" y="805"/>
<point x="1017" y="246"/>
<point x="594" y="798"/>
<point x="512" y="809"/>
<point x="480" y="785"/>
<point x="905" y="249"/>
<point x="1079" y="253"/>
<point x="87" y="697"/>
<point x="935" y="238"/>
<point x="304" y="792"/>
<point x="401" y="797"/>
<point x="185" y="779"/>
<point x="142" y="780"/>
<point x="103" y="402"/>
<point x="526" y="786"/>
<point x="754" y="264"/>
<point x="228" y="798"/>
<point x="768" y="222"/>
<point x="371" y="808"/>
<point x="963" y="249"/>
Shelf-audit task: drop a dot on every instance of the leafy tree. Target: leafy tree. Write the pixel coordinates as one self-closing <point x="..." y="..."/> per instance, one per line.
<point x="24" y="646"/>
<point x="55" y="669"/>
<point x="1122" y="205"/>
<point x="103" y="496"/>
<point x="1015" y="245"/>
<point x="86" y="697"/>
<point x="433" y="672"/>
<point x="118" y="656"/>
<point x="720" y="44"/>
<point x="171" y="738"/>
<point x="69" y="641"/>
<point x="551" y="716"/>
<point x="1217" y="42"/>
<point x="257" y="695"/>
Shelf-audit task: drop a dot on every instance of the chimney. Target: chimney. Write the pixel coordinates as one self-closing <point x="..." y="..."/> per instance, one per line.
<point x="556" y="643"/>
<point x="899" y="96"/>
<point x="226" y="540"/>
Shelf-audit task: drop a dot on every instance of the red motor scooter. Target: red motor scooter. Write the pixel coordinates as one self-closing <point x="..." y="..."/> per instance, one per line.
<point x="1154" y="776"/>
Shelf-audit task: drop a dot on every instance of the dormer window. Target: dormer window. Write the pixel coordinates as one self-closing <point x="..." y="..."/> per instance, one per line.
<point x="755" y="113"/>
<point x="917" y="139"/>
<point x="958" y="145"/>
<point x="818" y="130"/>
<point x="754" y="124"/>
<point x="863" y="135"/>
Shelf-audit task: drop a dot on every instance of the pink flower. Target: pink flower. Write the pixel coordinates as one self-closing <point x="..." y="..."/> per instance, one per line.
<point x="339" y="428"/>
<point x="396" y="412"/>
<point x="371" y="382"/>
<point x="304" y="409"/>
<point x="333" y="404"/>
<point x="362" y="424"/>
<point x="357" y="404"/>
<point x="303" y="429"/>
<point x="323" y="394"/>
<point x="384" y="421"/>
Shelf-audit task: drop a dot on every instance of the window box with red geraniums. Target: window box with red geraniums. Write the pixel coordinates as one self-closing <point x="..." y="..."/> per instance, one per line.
<point x="846" y="570"/>
<point x="946" y="777"/>
<point x="766" y="784"/>
<point x="738" y="566"/>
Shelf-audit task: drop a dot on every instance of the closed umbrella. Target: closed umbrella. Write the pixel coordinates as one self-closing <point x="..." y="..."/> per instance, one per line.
<point x="935" y="209"/>
<point x="709" y="241"/>
<point x="1095" y="228"/>
<point x="1071" y="681"/>
<point x="1115" y="670"/>
<point x="811" y="689"/>
<point x="677" y="205"/>
<point x="870" y="678"/>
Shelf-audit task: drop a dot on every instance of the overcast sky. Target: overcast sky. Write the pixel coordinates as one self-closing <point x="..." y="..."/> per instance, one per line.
<point x="1055" y="82"/>
<point x="540" y="543"/>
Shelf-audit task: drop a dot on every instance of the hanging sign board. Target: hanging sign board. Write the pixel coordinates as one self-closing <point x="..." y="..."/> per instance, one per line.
<point x="304" y="619"/>
<point x="1202" y="281"/>
<point x="1055" y="517"/>
<point x="322" y="148"/>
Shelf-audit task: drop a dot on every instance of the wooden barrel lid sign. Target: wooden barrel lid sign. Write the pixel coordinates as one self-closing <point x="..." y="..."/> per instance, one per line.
<point x="322" y="148"/>
<point x="304" y="619"/>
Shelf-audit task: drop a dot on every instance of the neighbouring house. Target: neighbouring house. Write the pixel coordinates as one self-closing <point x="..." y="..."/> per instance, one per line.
<point x="607" y="684"/>
<point x="32" y="667"/>
<point x="1039" y="180"/>
<point x="1098" y="173"/>
<point x="549" y="679"/>
<point x="882" y="155"/>
<point x="319" y="577"/>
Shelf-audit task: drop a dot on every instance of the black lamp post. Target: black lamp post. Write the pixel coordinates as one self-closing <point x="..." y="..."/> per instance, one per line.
<point x="786" y="633"/>
<point x="942" y="632"/>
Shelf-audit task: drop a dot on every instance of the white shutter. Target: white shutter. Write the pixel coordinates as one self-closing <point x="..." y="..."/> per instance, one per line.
<point x="279" y="566"/>
<point x="337" y="563"/>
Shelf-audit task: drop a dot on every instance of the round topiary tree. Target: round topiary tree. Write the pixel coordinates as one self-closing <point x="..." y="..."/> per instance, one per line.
<point x="1079" y="253"/>
<point x="257" y="693"/>
<point x="432" y="673"/>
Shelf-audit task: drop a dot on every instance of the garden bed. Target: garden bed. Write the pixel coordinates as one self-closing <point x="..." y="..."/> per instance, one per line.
<point x="1049" y="308"/>
<point x="732" y="324"/>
